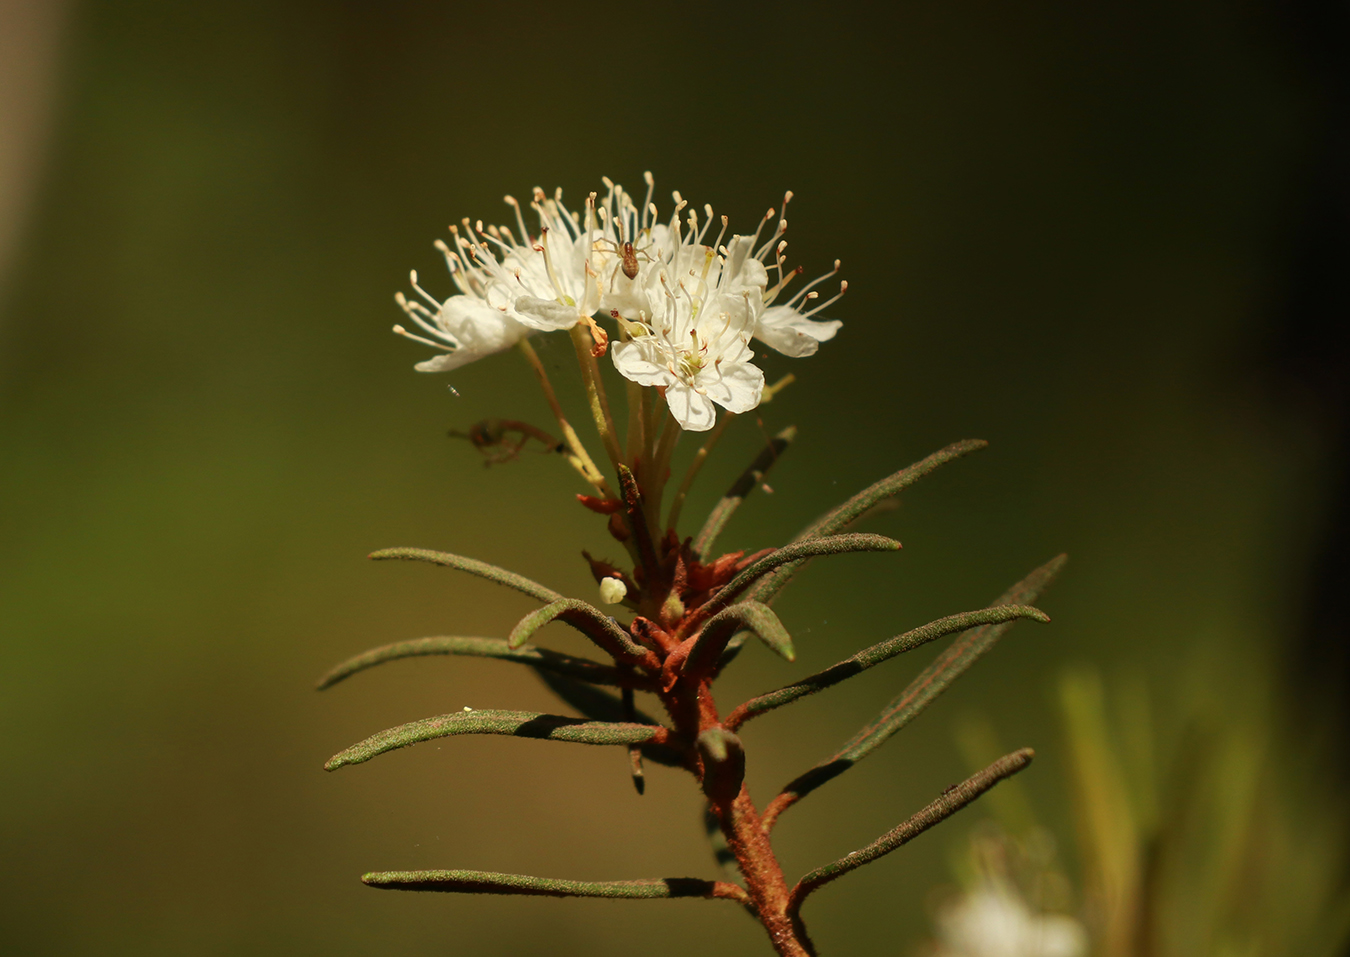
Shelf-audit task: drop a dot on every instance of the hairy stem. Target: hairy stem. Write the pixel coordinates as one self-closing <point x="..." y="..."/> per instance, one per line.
<point x="595" y="393"/>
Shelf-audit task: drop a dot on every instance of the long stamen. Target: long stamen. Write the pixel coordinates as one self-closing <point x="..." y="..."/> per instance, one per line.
<point x="843" y="288"/>
<point x="801" y="293"/>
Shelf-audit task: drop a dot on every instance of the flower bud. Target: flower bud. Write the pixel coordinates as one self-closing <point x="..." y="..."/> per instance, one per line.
<point x="612" y="591"/>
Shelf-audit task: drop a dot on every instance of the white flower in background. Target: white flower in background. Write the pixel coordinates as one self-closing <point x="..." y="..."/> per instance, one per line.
<point x="510" y="286"/>
<point x="994" y="921"/>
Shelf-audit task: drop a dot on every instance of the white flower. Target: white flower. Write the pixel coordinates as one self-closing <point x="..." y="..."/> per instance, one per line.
<point x="786" y="327"/>
<point x="510" y="286"/>
<point x="466" y="327"/>
<point x="690" y="320"/>
<point x="994" y="921"/>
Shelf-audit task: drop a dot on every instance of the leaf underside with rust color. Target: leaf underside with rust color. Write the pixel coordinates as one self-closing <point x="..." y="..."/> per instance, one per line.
<point x="539" y="658"/>
<point x="924" y="689"/>
<point x="520" y="724"/>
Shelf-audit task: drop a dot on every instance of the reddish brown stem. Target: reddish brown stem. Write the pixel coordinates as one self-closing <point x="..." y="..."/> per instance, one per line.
<point x="693" y="711"/>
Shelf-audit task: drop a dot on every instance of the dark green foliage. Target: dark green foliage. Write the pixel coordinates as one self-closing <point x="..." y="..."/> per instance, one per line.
<point x="520" y="724"/>
<point x="789" y="557"/>
<point x="922" y="691"/>
<point x="587" y="619"/>
<point x="952" y="800"/>
<point x="542" y="659"/>
<point x="487" y="882"/>
<point x="678" y="650"/>
<point x="875" y="655"/>
<point x="474" y="567"/>
<point x="840" y="518"/>
<point x="748" y="481"/>
<point x="599" y="705"/>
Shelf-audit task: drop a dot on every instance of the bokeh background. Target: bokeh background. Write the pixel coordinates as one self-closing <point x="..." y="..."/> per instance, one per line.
<point x="1107" y="239"/>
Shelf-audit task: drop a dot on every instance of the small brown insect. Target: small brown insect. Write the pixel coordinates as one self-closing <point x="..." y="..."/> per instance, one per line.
<point x="501" y="440"/>
<point x="629" y="255"/>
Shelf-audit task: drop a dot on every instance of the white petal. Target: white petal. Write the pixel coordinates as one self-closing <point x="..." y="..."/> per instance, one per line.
<point x="738" y="387"/>
<point x="546" y="315"/>
<point x="753" y="275"/>
<point x="643" y="361"/>
<point x="479" y="329"/>
<point x="793" y="334"/>
<point x="447" y="362"/>
<point x="694" y="412"/>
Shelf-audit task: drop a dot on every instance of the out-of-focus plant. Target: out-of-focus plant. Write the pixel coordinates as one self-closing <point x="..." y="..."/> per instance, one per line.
<point x="1011" y="902"/>
<point x="683" y="313"/>
<point x="1226" y="847"/>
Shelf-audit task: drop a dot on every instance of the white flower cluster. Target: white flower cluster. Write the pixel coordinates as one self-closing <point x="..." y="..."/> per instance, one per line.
<point x="994" y="921"/>
<point x="686" y="310"/>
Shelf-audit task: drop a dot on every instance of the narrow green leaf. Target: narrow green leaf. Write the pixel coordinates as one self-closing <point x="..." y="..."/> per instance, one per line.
<point x="875" y="655"/>
<point x="793" y="554"/>
<point x="591" y="622"/>
<point x="520" y="724"/>
<point x="952" y="800"/>
<point x="474" y="567"/>
<point x="749" y="617"/>
<point x="841" y="517"/>
<point x="487" y="882"/>
<point x="748" y="481"/>
<point x="918" y="694"/>
<point x="732" y="651"/>
<point x="541" y="658"/>
<point x="599" y="705"/>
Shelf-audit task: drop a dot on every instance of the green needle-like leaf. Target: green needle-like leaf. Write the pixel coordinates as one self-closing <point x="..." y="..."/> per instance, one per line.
<point x="474" y="567"/>
<point x="952" y="800"/>
<point x="875" y="655"/>
<point x="487" y="882"/>
<point x="748" y="481"/>
<point x="520" y="724"/>
<point x="591" y="622"/>
<point x="919" y="694"/>
<point x="748" y="616"/>
<point x="599" y="705"/>
<point x="841" y="517"/>
<point x="542" y="658"/>
<point x="792" y="555"/>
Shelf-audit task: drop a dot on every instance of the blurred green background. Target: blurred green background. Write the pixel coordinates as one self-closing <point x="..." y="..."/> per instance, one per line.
<point x="1060" y="226"/>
